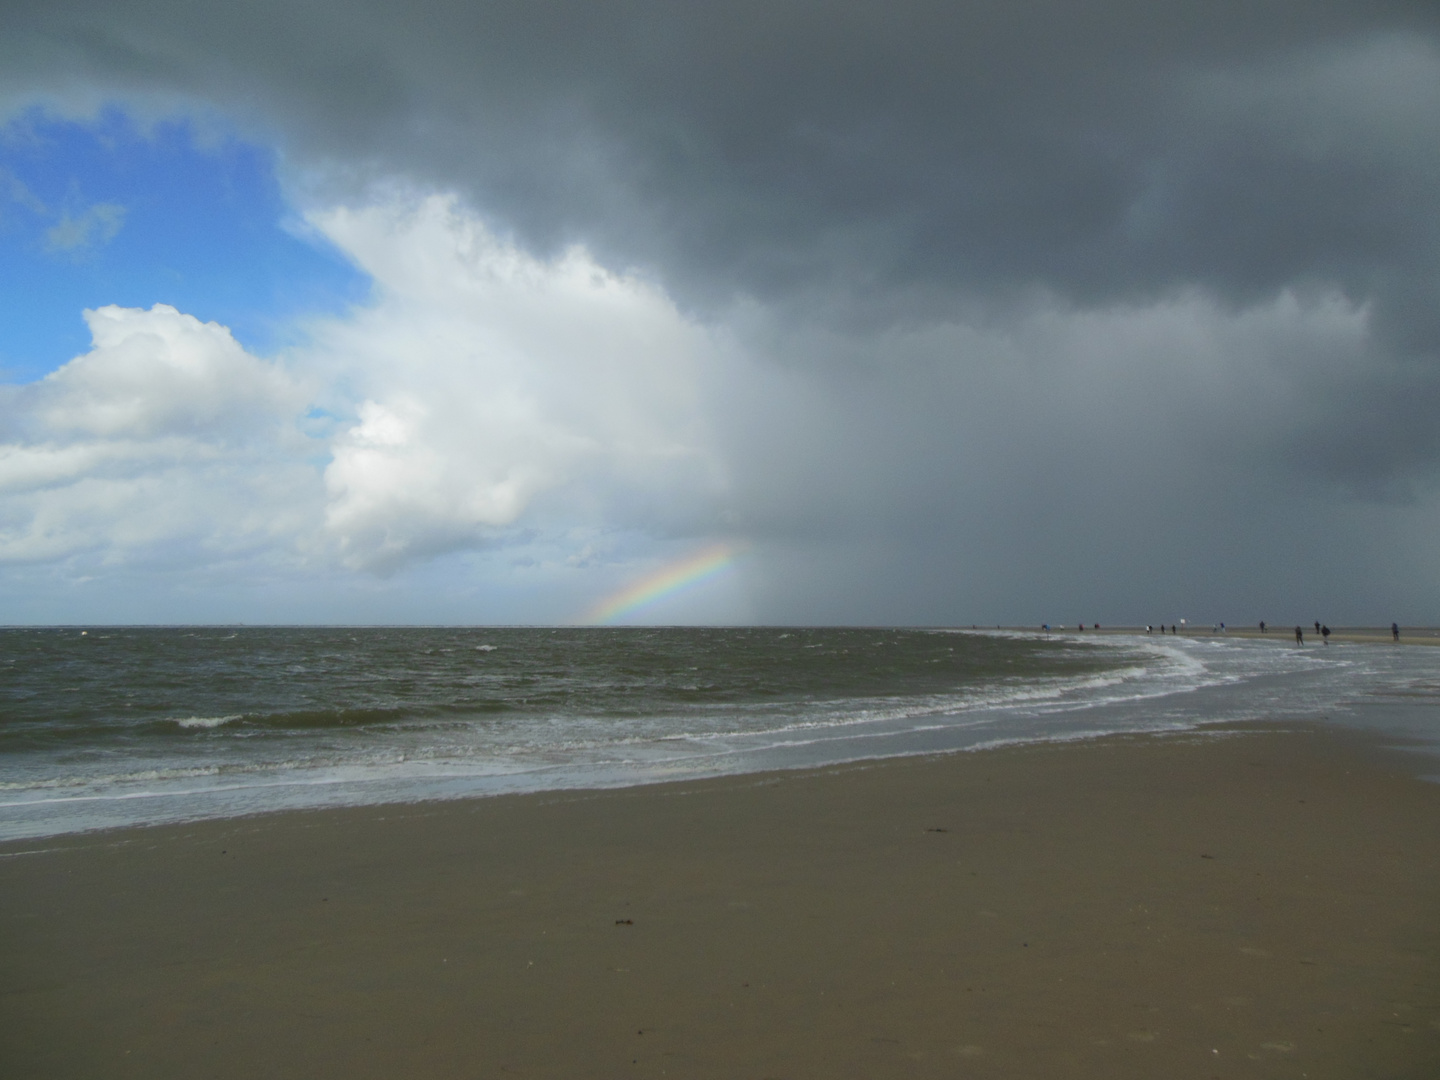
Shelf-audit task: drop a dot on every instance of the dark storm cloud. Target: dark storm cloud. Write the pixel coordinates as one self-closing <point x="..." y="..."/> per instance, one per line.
<point x="1101" y="150"/>
<point x="865" y="171"/>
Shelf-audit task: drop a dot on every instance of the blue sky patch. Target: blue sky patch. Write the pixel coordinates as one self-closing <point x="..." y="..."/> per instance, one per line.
<point x="105" y="212"/>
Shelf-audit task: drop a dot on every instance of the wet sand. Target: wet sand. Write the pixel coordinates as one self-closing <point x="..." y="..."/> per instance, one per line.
<point x="1254" y="905"/>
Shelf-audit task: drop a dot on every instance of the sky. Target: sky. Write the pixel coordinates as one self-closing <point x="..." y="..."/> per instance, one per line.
<point x="918" y="313"/>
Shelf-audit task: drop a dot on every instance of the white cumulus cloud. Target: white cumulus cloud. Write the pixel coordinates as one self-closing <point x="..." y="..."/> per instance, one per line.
<point x="483" y="398"/>
<point x="489" y="381"/>
<point x="160" y="372"/>
<point x="167" y="433"/>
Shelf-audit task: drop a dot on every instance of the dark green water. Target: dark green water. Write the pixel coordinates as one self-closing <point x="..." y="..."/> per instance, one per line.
<point x="238" y="719"/>
<point x="128" y="686"/>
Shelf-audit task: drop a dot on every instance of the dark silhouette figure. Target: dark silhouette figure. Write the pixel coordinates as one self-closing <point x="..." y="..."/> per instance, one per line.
<point x="1299" y="636"/>
<point x="1394" y="631"/>
<point x="1262" y="626"/>
<point x="1325" y="634"/>
<point x="1317" y="626"/>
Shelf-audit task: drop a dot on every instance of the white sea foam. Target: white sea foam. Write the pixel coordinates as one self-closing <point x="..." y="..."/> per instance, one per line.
<point x="207" y="721"/>
<point x="1172" y="685"/>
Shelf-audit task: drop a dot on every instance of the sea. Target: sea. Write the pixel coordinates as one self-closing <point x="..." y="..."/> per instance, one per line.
<point x="102" y="727"/>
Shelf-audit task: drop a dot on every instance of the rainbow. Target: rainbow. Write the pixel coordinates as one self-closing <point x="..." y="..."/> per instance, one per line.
<point x="668" y="581"/>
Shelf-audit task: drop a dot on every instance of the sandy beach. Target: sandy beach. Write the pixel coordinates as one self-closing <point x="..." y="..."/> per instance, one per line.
<point x="1261" y="903"/>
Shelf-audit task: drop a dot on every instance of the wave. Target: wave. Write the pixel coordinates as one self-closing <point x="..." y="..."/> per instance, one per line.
<point x="415" y="730"/>
<point x="207" y="722"/>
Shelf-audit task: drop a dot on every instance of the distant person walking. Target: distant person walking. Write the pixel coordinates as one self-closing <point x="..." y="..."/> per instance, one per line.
<point x="1262" y="626"/>
<point x="1394" y="631"/>
<point x="1299" y="636"/>
<point x="1325" y="634"/>
<point x="1317" y="626"/>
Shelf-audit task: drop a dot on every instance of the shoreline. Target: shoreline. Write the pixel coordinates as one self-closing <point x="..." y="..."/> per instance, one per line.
<point x="1400" y="711"/>
<point x="1193" y="904"/>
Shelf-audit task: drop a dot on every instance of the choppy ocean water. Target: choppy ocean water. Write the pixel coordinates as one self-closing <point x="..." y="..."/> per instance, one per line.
<point x="113" y="726"/>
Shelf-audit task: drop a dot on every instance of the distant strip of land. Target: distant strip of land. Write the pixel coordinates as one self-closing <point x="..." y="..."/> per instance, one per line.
<point x="1419" y="635"/>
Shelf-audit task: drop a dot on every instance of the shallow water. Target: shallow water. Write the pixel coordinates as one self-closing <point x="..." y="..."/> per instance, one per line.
<point x="116" y="726"/>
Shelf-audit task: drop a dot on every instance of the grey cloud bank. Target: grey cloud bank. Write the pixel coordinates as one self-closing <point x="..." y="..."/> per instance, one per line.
<point x="1122" y="311"/>
<point x="1103" y="150"/>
